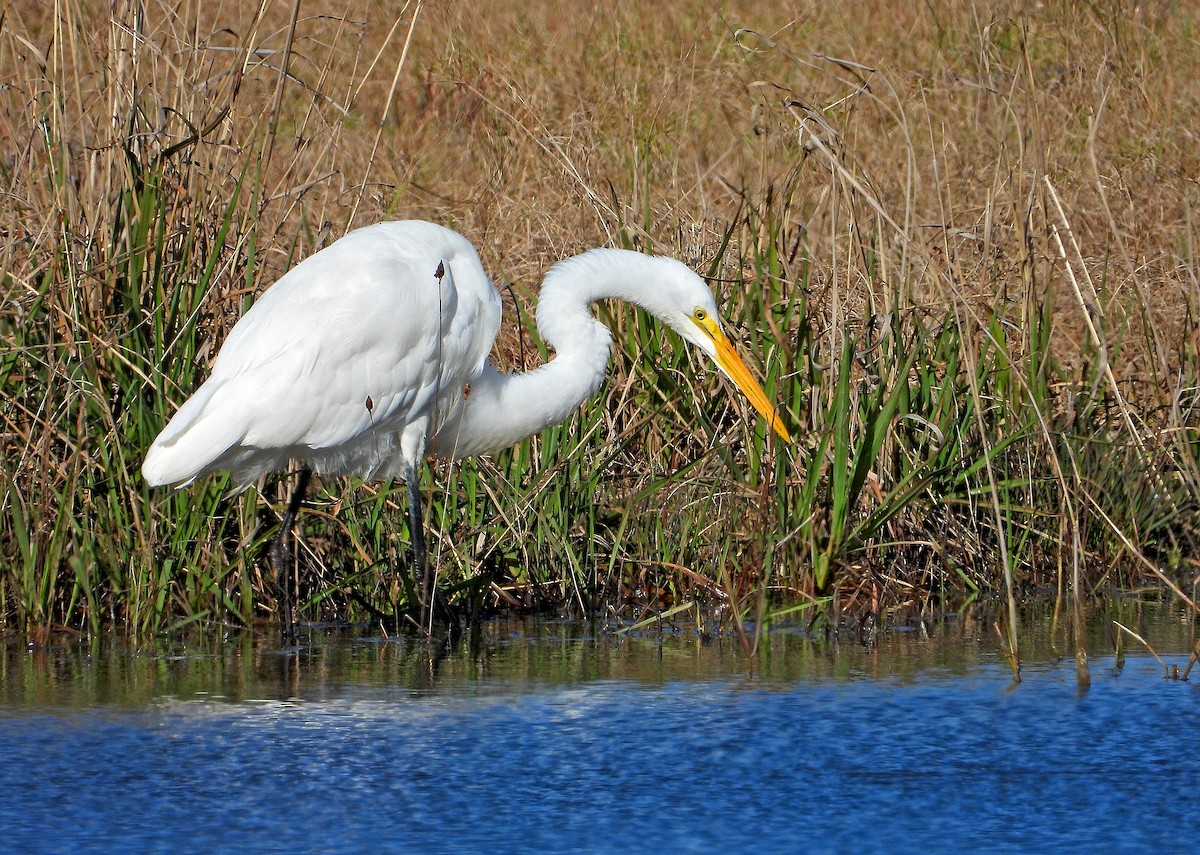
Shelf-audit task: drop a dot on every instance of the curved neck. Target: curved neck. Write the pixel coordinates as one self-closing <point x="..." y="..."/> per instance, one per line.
<point x="503" y="409"/>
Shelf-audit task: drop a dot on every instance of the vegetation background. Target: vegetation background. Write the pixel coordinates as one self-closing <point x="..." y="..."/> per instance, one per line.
<point x="957" y="239"/>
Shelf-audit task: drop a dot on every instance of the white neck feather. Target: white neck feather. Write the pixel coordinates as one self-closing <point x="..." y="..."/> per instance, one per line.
<point x="503" y="409"/>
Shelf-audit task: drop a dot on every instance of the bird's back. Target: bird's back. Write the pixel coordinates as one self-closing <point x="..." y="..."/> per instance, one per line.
<point x="364" y="343"/>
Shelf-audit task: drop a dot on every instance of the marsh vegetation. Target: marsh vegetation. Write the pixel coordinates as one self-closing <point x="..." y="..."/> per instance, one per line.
<point x="958" y="246"/>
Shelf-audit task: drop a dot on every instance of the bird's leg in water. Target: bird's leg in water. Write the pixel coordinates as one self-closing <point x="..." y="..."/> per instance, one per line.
<point x="281" y="558"/>
<point x="426" y="581"/>
<point x="433" y="607"/>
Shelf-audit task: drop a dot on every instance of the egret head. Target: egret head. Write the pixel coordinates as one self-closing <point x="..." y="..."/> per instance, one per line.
<point x="685" y="303"/>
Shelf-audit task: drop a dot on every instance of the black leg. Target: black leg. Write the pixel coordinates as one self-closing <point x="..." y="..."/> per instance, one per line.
<point x="281" y="558"/>
<point x="426" y="583"/>
<point x="433" y="607"/>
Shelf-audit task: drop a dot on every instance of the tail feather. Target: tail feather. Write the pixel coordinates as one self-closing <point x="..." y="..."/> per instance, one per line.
<point x="193" y="442"/>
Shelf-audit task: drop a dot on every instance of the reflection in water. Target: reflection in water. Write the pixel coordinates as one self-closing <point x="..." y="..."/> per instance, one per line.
<point x="515" y="657"/>
<point x="554" y="737"/>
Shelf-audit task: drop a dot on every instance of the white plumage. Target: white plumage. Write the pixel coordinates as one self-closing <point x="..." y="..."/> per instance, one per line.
<point x="346" y="364"/>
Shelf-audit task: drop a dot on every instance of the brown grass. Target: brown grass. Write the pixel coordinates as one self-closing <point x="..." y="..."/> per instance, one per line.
<point x="541" y="129"/>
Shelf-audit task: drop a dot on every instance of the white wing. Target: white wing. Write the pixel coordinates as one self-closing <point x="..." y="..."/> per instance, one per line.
<point x="371" y="338"/>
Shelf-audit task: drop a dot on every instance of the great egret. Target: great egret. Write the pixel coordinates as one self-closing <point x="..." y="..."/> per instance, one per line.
<point x="373" y="352"/>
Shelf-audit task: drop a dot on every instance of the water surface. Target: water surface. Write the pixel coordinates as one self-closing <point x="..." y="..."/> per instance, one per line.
<point x="561" y="738"/>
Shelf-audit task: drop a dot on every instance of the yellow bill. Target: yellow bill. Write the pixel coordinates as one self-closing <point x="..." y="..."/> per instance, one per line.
<point x="728" y="361"/>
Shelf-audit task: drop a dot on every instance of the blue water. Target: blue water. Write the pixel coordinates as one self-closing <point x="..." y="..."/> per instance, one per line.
<point x="682" y="751"/>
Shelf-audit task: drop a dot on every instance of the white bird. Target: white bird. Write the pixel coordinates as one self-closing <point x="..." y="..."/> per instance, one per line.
<point x="372" y="353"/>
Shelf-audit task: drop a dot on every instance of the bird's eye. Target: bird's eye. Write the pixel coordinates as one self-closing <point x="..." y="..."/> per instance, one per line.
<point x="699" y="314"/>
